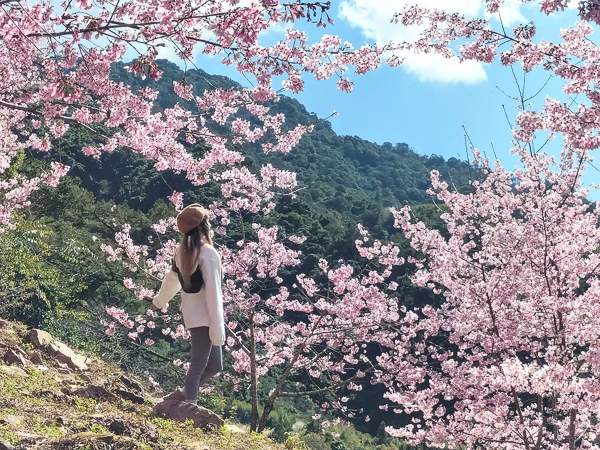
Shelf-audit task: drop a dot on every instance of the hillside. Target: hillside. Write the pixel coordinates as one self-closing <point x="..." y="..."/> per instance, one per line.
<point x="342" y="180"/>
<point x="341" y="173"/>
<point x="49" y="404"/>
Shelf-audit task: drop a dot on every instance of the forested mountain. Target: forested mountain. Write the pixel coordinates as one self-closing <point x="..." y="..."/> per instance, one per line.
<point x="342" y="181"/>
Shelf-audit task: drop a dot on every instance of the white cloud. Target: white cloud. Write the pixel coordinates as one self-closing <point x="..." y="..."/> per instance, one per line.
<point x="372" y="17"/>
<point x="279" y="28"/>
<point x="437" y="69"/>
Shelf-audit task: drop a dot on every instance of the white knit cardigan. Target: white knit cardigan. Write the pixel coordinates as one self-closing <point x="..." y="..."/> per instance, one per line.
<point x="204" y="308"/>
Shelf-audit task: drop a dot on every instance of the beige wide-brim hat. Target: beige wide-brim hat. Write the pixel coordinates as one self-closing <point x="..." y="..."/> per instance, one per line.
<point x="190" y="217"/>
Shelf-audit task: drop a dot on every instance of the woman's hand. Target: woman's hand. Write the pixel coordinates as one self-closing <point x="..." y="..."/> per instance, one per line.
<point x="153" y="307"/>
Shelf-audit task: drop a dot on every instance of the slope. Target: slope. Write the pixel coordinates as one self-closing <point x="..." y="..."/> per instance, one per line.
<point x="47" y="402"/>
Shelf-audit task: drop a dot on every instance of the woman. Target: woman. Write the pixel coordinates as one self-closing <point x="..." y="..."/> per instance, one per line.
<point x="197" y="272"/>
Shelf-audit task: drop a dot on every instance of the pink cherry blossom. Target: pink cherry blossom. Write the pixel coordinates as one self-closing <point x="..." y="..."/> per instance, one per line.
<point x="508" y="360"/>
<point x="56" y="61"/>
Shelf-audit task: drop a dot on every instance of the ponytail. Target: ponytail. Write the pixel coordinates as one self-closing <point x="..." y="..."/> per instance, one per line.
<point x="190" y="249"/>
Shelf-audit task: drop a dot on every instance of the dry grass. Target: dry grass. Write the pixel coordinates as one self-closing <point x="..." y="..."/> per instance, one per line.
<point x="38" y="410"/>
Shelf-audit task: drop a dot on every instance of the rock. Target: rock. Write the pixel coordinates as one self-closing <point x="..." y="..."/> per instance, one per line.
<point x="36" y="359"/>
<point x="14" y="370"/>
<point x="117" y="427"/>
<point x="131" y="384"/>
<point x="129" y="396"/>
<point x="64" y="354"/>
<point x="13" y="421"/>
<point x="177" y="394"/>
<point x="96" y="393"/>
<point x="182" y="412"/>
<point x="14" y="356"/>
<point x="39" y="338"/>
<point x="63" y="371"/>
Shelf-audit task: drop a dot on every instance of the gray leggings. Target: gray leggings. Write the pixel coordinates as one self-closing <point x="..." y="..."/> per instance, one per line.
<point x="205" y="362"/>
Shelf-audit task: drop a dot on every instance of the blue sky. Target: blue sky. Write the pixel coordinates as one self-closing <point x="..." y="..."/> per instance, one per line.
<point x="425" y="103"/>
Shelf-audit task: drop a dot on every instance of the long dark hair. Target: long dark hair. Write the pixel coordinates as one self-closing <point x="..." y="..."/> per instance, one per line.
<point x="190" y="249"/>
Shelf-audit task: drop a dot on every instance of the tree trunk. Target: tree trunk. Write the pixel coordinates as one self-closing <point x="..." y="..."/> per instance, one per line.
<point x="253" y="376"/>
<point x="275" y="393"/>
<point x="572" y="418"/>
<point x="554" y="418"/>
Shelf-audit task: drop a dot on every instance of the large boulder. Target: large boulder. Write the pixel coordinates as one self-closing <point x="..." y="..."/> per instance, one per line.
<point x="39" y="338"/>
<point x="64" y="354"/>
<point x="182" y="412"/>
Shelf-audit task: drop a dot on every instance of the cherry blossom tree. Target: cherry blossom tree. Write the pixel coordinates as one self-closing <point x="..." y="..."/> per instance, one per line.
<point x="15" y="188"/>
<point x="509" y="359"/>
<point x="323" y="336"/>
<point x="317" y="333"/>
